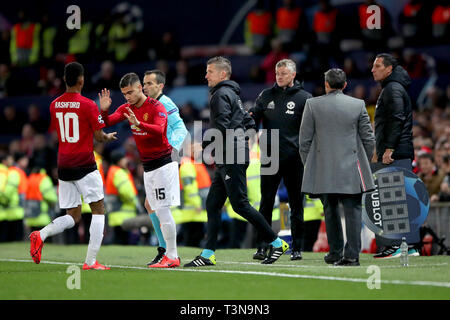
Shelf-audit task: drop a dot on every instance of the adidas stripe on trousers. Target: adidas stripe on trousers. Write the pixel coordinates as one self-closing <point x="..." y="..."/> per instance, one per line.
<point x="230" y="181"/>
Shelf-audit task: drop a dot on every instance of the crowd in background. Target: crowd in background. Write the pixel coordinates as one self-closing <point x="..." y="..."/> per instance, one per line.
<point x="42" y="47"/>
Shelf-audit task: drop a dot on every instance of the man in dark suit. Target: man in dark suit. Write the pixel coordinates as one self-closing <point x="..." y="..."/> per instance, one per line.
<point x="336" y="143"/>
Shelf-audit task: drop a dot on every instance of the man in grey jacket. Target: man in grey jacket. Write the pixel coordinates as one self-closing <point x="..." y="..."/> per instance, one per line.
<point x="336" y="143"/>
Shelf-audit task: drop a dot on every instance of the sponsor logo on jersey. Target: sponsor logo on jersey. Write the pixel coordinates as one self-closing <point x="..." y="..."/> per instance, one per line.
<point x="133" y="127"/>
<point x="290" y="106"/>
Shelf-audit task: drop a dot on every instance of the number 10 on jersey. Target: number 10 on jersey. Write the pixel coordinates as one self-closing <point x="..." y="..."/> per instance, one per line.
<point x="66" y="122"/>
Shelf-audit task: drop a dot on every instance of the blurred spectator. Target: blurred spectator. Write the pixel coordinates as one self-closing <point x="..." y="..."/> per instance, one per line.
<point x="270" y="60"/>
<point x="430" y="174"/>
<point x="106" y="78"/>
<point x="27" y="140"/>
<point x="374" y="39"/>
<point x="359" y="92"/>
<point x="43" y="155"/>
<point x="101" y="32"/>
<point x="5" y="80"/>
<point x="256" y="75"/>
<point x="289" y="21"/>
<point x="14" y="147"/>
<point x="119" y="38"/>
<point x="5" y="40"/>
<point x="11" y="121"/>
<point x="326" y="32"/>
<point x="25" y="43"/>
<point x="183" y="76"/>
<point x="189" y="114"/>
<point x="418" y="65"/>
<point x="39" y="123"/>
<point x="258" y="28"/>
<point x="415" y="22"/>
<point x="350" y="68"/>
<point x="441" y="22"/>
<point x="79" y="42"/>
<point x="51" y="84"/>
<point x="444" y="190"/>
<point x="435" y="98"/>
<point x="48" y="40"/>
<point x="163" y="65"/>
<point x="168" y="48"/>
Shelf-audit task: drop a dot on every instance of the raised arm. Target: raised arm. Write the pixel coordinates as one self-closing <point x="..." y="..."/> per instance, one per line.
<point x="105" y="104"/>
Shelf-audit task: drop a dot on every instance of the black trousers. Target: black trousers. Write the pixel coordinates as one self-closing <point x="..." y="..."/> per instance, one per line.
<point x="291" y="171"/>
<point x="230" y="181"/>
<point x="353" y="224"/>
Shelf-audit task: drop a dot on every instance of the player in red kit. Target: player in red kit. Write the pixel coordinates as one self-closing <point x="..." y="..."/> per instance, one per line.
<point x="77" y="121"/>
<point x="148" y="123"/>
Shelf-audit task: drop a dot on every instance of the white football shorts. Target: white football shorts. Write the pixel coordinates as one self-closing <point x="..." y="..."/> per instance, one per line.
<point x="162" y="186"/>
<point x="90" y="187"/>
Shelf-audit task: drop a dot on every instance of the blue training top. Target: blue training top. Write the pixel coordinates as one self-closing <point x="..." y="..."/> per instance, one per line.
<point x="176" y="130"/>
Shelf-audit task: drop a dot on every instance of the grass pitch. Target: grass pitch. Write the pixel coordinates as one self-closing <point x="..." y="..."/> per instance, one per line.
<point x="235" y="277"/>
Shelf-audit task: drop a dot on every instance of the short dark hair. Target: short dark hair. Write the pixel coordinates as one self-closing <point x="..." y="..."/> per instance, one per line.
<point x="388" y="59"/>
<point x="160" y="76"/>
<point x="222" y="63"/>
<point x="72" y="71"/>
<point x="336" y="78"/>
<point x="128" y="80"/>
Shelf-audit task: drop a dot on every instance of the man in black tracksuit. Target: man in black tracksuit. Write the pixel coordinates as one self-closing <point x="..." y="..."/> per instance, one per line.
<point x="393" y="131"/>
<point x="228" y="116"/>
<point x="281" y="107"/>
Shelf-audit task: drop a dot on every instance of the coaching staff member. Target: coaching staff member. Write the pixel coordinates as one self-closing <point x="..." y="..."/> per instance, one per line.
<point x="336" y="145"/>
<point x="229" y="117"/>
<point x="281" y="108"/>
<point x="393" y="129"/>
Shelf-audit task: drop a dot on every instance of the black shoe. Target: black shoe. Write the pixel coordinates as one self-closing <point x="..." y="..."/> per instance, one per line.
<point x="159" y="256"/>
<point x="330" y="259"/>
<point x="275" y="253"/>
<point x="388" y="253"/>
<point x="199" y="261"/>
<point x="260" y="254"/>
<point x="346" y="262"/>
<point x="296" y="255"/>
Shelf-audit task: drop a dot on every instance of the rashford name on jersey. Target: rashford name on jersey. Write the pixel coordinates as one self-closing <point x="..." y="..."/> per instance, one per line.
<point x="75" y="119"/>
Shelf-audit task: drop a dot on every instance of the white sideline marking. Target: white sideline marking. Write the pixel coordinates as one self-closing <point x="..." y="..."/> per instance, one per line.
<point x="328" y="266"/>
<point x="261" y="273"/>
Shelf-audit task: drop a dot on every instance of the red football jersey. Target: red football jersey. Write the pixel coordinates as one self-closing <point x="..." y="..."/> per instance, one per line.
<point x="75" y="118"/>
<point x="151" y="136"/>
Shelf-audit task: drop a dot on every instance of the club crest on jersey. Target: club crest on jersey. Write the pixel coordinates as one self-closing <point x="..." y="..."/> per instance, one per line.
<point x="290" y="106"/>
<point x="145" y="117"/>
<point x="271" y="105"/>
